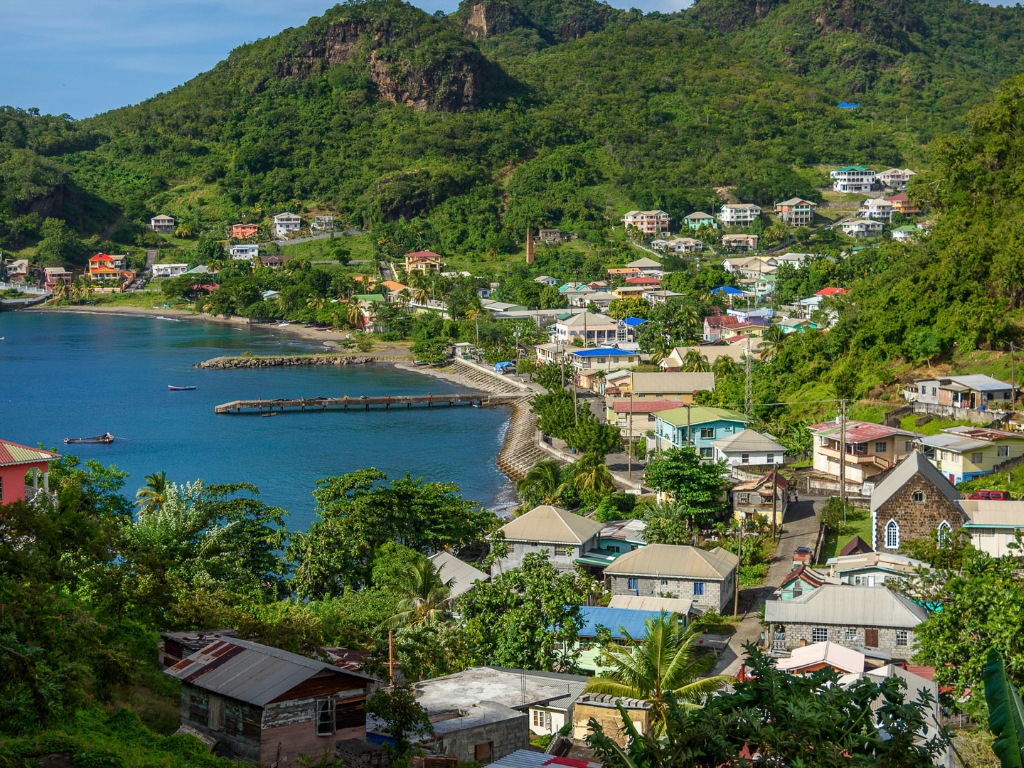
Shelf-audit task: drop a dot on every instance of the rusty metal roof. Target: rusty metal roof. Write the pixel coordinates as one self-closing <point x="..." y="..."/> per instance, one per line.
<point x="250" y="672"/>
<point x="14" y="453"/>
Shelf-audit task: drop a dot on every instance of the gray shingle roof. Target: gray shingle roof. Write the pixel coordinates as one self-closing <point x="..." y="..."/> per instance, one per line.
<point x="460" y="576"/>
<point x="674" y="560"/>
<point x="553" y="526"/>
<point x="847" y="606"/>
<point x="906" y="469"/>
<point x="749" y="440"/>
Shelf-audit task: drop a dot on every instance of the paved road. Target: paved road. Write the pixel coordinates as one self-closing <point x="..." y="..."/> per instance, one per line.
<point x="799" y="529"/>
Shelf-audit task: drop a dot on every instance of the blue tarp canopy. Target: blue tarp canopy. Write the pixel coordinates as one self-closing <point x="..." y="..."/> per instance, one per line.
<point x="728" y="290"/>
<point x="503" y="366"/>
<point x="615" y="620"/>
<point x="847" y="105"/>
<point x="633" y="322"/>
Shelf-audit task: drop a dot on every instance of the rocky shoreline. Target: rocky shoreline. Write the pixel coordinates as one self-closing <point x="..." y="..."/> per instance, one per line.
<point x="225" y="363"/>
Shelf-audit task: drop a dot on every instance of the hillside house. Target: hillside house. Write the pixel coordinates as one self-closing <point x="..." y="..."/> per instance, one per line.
<point x="796" y="325"/>
<point x="853" y="178"/>
<point x="719" y="327"/>
<point x="624" y="626"/>
<point x="700" y="219"/>
<point x="107" y="269"/>
<point x="644" y="281"/>
<point x="914" y="501"/>
<point x="809" y="659"/>
<point x="698" y="426"/>
<point x="244" y="231"/>
<point x="168" y="270"/>
<point x="905" y="233"/>
<point x="660" y="296"/>
<point x="422" y="261"/>
<point x="861" y="227"/>
<point x="648" y="267"/>
<point x="993" y="525"/>
<point x="974" y="391"/>
<point x="590" y="361"/>
<point x="679" y="387"/>
<point x="54" y="276"/>
<point x="563" y="536"/>
<point x="244" y="252"/>
<point x="286" y="223"/>
<point x="650" y="223"/>
<point x="806" y="307"/>
<point x="708" y="578"/>
<point x="765" y="498"/>
<point x="636" y="418"/>
<point x="895" y="178"/>
<point x="162" y="224"/>
<point x="870" y="449"/>
<point x="551" y="235"/>
<point x="802" y="579"/>
<point x="749" y="266"/>
<point x="622" y="273"/>
<point x="323" y="223"/>
<point x="964" y="453"/>
<point x="852" y="616"/>
<point x="684" y="245"/>
<point x="589" y="328"/>
<point x="796" y="211"/>
<point x="458" y="575"/>
<point x="901" y="203"/>
<point x="546" y="280"/>
<point x="872" y="569"/>
<point x="794" y="259"/>
<point x="876" y="209"/>
<point x="744" y="243"/>
<point x="266" y="705"/>
<point x="16" y="462"/>
<point x="675" y="360"/>
<point x="749" y="448"/>
<point x="739" y="214"/>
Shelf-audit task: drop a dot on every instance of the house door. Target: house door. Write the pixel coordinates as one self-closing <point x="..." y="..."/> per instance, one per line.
<point x="871" y="581"/>
<point x="871" y="638"/>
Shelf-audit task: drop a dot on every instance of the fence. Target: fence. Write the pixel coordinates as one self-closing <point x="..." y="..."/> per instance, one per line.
<point x="31" y="290"/>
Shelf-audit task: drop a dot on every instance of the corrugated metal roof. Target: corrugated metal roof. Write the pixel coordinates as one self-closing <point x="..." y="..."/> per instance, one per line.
<point x="986" y="512"/>
<point x="459" y="575"/>
<point x="749" y="440"/>
<point x="700" y="414"/>
<point x="667" y="383"/>
<point x="620" y="621"/>
<point x="552" y="525"/>
<point x="657" y="604"/>
<point x="524" y="758"/>
<point x="833" y="654"/>
<point x="250" y="672"/>
<point x="15" y="453"/>
<point x="847" y="606"/>
<point x="674" y="560"/>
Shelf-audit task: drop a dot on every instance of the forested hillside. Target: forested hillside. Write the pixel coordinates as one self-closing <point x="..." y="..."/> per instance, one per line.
<point x="457" y="133"/>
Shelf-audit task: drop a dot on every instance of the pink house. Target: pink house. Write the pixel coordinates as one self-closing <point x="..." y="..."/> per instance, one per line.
<point x="15" y="462"/>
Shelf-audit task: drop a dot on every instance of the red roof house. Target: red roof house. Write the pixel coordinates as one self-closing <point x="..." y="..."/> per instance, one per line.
<point x="15" y="462"/>
<point x="829" y="292"/>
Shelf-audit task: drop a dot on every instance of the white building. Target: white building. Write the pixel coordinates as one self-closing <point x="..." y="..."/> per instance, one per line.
<point x="739" y="214"/>
<point x="748" y="447"/>
<point x="861" y="227"/>
<point x="285" y="223"/>
<point x="169" y="270"/>
<point x="322" y="224"/>
<point x="246" y="252"/>
<point x="163" y="224"/>
<point x="853" y="178"/>
<point x="877" y="209"/>
<point x="684" y="245"/>
<point x="895" y="178"/>
<point x="647" y="222"/>
<point x="993" y="525"/>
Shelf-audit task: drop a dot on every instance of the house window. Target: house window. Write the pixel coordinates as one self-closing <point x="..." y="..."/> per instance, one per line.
<point x="707" y="433"/>
<point x="901" y="638"/>
<point x="923" y="389"/>
<point x="856" y="581"/>
<point x="698" y="589"/>
<point x="892" y="535"/>
<point x="706" y="453"/>
<point x="325" y="717"/>
<point x="744" y="458"/>
<point x="664" y="582"/>
<point x="880" y="448"/>
<point x="215" y="713"/>
<point x="743" y="498"/>
<point x="977" y="457"/>
<point x="918" y="497"/>
<point x="632" y="583"/>
<point x="771" y="458"/>
<point x="541" y="719"/>
<point x="933" y="391"/>
<point x="908" y="446"/>
<point x="850" y="635"/>
<point x="561" y="551"/>
<point x="819" y="634"/>
<point x="945" y="529"/>
<point x="1002" y="451"/>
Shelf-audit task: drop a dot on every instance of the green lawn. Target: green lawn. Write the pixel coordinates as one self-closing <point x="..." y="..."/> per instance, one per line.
<point x="858" y="523"/>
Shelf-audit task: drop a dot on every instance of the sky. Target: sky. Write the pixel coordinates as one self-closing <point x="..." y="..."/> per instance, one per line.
<point x="83" y="57"/>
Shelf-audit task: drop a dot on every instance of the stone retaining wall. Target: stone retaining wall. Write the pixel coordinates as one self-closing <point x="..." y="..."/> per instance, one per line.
<point x="228" y="363"/>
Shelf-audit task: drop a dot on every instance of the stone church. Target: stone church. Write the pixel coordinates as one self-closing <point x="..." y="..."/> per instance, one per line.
<point x="913" y="502"/>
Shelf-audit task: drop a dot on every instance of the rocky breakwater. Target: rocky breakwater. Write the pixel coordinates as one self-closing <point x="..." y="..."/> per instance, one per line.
<point x="282" y="361"/>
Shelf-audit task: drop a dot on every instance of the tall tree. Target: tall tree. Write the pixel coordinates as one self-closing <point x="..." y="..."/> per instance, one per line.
<point x="696" y="489"/>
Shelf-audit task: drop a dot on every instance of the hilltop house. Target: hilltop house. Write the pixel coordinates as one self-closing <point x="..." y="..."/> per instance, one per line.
<point x="870" y="448"/>
<point x="564" y="536"/>
<point x="766" y="498"/>
<point x="684" y="245"/>
<point x="744" y="243"/>
<point x="861" y="227"/>
<point x="700" y="219"/>
<point x="853" y="178"/>
<point x="796" y="211"/>
<point x="708" y="578"/>
<point x="973" y="391"/>
<point x="163" y="224"/>
<point x="16" y="462"/>
<point x="323" y="223"/>
<point x="895" y="178"/>
<point x="244" y="231"/>
<point x="266" y="705"/>
<point x="852" y="616"/>
<point x="964" y="453"/>
<point x="422" y="261"/>
<point x="286" y="223"/>
<point x="168" y="270"/>
<point x="913" y="502"/>
<point x="874" y="208"/>
<point x="901" y="203"/>
<point x="739" y="214"/>
<point x="698" y="426"/>
<point x="749" y="448"/>
<point x="244" y="252"/>
<point x="651" y="223"/>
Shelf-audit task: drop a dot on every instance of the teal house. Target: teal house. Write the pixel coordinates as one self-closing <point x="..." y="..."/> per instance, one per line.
<point x="696" y="425"/>
<point x="700" y="219"/>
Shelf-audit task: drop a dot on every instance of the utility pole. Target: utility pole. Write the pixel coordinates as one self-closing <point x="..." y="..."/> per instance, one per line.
<point x="629" y="439"/>
<point x="748" y="398"/>
<point x="689" y="435"/>
<point x="391" y="658"/>
<point x="842" y="455"/>
<point x="775" y="497"/>
<point x="736" y="586"/>
<point x="1013" y="382"/>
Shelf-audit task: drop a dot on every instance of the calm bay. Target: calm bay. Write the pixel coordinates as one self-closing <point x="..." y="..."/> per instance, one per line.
<point x="69" y="375"/>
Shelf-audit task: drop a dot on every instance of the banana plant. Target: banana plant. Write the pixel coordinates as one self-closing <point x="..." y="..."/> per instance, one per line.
<point x="1005" y="713"/>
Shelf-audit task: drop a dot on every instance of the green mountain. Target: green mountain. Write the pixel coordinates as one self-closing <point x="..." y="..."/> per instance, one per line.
<point x="457" y="133"/>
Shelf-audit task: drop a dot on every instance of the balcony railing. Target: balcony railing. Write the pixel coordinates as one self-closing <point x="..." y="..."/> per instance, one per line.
<point x="851" y="458"/>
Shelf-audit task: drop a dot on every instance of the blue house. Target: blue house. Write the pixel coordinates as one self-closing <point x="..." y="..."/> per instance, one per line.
<point x="696" y="425"/>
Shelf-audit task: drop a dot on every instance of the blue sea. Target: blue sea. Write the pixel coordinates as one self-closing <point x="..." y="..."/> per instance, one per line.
<point x="74" y="375"/>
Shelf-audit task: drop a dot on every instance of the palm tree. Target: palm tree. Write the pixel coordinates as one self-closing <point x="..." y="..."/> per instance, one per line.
<point x="666" y="660"/>
<point x="354" y="314"/>
<point x="695" y="362"/>
<point x="425" y="598"/>
<point x="544" y="482"/>
<point x="151" y="497"/>
<point x="660" y="349"/>
<point x="60" y="292"/>
<point x="590" y="473"/>
<point x="771" y="342"/>
<point x="724" y="367"/>
<point x="421" y="295"/>
<point x="316" y="303"/>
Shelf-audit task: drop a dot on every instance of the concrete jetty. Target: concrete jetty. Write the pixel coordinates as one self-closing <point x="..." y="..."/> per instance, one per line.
<point x="380" y="402"/>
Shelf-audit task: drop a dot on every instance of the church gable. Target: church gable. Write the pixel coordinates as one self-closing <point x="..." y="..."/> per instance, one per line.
<point x="914" y="511"/>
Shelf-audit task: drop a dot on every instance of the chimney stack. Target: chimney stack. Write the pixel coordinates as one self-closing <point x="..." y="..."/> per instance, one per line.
<point x="529" y="246"/>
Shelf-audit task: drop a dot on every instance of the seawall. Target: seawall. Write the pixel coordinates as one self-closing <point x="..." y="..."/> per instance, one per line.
<point x="281" y="361"/>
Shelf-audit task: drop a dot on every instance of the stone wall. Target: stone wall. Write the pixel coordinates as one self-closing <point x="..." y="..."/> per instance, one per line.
<point x="504" y="736"/>
<point x="518" y="550"/>
<point x="718" y="595"/>
<point x="916" y="519"/>
<point x="800" y="634"/>
<point x="604" y="710"/>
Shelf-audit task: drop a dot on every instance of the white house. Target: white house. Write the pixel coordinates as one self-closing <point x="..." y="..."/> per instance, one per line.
<point x="684" y="245"/>
<point x="993" y="525"/>
<point x="163" y="224"/>
<point x="246" y="252"/>
<point x="895" y="178"/>
<point x="748" y="447"/>
<point x="853" y="178"/>
<point x="647" y="222"/>
<point x="169" y="270"/>
<point x="546" y="280"/>
<point x="861" y="227"/>
<point x="877" y="209"/>
<point x="285" y="223"/>
<point x="323" y="223"/>
<point x="739" y="214"/>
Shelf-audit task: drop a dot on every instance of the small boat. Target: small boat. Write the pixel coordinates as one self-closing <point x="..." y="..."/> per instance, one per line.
<point x="180" y="389"/>
<point x="265" y="415"/>
<point x="106" y="439"/>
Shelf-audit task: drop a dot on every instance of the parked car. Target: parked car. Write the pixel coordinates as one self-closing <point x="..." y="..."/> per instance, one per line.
<point x="990" y="495"/>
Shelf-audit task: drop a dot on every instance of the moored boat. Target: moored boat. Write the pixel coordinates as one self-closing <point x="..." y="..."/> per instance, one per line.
<point x="106" y="438"/>
<point x="179" y="389"/>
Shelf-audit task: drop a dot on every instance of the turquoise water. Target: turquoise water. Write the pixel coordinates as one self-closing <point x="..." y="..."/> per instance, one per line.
<point x="72" y="375"/>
